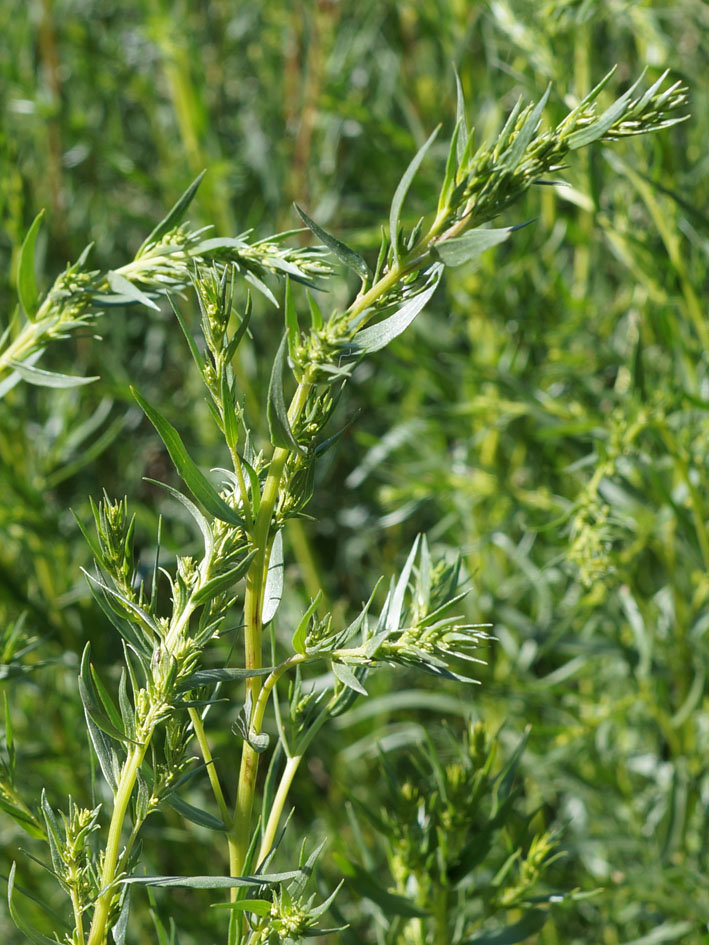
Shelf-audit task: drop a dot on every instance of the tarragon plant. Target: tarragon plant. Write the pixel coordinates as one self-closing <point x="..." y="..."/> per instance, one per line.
<point x="143" y="732"/>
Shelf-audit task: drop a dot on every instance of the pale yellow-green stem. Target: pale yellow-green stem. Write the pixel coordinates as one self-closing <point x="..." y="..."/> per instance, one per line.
<point x="78" y="916"/>
<point x="253" y="609"/>
<point x="201" y="736"/>
<point x="22" y="346"/>
<point x="279" y="800"/>
<point x="129" y="774"/>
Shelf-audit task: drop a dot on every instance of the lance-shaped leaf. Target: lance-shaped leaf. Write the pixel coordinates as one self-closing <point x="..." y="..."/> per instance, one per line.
<point x="198" y="483"/>
<point x="173" y="217"/>
<point x="194" y="814"/>
<point x="274" y="580"/>
<point x="301" y="632"/>
<point x="211" y="882"/>
<point x="217" y="585"/>
<point x="347" y="677"/>
<point x="278" y="423"/>
<point x="26" y="282"/>
<point x="401" y="191"/>
<point x="461" y="120"/>
<point x="463" y="249"/>
<point x="395" y="605"/>
<point x="257" y="906"/>
<point x="524" y="135"/>
<point x="344" y="253"/>
<point x="598" y="128"/>
<point x="194" y="512"/>
<point x="208" y="677"/>
<point x="97" y="702"/>
<point x="41" y="378"/>
<point x="376" y="337"/>
<point x="32" y="935"/>
<point x="124" y="287"/>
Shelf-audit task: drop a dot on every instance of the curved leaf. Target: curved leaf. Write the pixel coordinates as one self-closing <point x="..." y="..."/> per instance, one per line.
<point x="344" y="253"/>
<point x="41" y="378"/>
<point x="173" y="217"/>
<point x="223" y="581"/>
<point x="200" y="486"/>
<point x="278" y="423"/>
<point x="124" y="287"/>
<point x="31" y="934"/>
<point x="211" y="882"/>
<point x="274" y="580"/>
<point x="26" y="282"/>
<point x="376" y="337"/>
<point x="401" y="191"/>
<point x="463" y="249"/>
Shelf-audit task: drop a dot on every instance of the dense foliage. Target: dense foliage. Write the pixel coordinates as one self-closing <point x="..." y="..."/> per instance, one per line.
<point x="543" y="422"/>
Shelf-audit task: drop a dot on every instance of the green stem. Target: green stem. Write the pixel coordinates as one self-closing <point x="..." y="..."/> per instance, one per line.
<point x="201" y="736"/>
<point x="97" y="934"/>
<point x="269" y="833"/>
<point x="78" y="916"/>
<point x="239" y="834"/>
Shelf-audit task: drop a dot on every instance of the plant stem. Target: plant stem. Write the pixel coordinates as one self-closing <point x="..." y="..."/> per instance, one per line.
<point x="97" y="934"/>
<point x="78" y="916"/>
<point x="201" y="736"/>
<point x="269" y="833"/>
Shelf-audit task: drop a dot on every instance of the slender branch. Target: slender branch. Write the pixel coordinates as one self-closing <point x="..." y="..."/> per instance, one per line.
<point x="201" y="736"/>
<point x="279" y="800"/>
<point x="129" y="775"/>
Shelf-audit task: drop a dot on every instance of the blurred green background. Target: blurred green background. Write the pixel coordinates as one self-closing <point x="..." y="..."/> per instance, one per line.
<point x="546" y="416"/>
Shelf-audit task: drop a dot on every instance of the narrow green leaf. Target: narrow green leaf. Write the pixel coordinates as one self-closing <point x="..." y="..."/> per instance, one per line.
<point x="208" y="677"/>
<point x="201" y="521"/>
<point x="524" y="135"/>
<point x="376" y="337"/>
<point x="109" y="705"/>
<point x="261" y="286"/>
<point x="217" y="585"/>
<point x="257" y="906"/>
<point x="529" y="925"/>
<point x="278" y="423"/>
<point x="291" y="315"/>
<point x="461" y="120"/>
<point x="463" y="249"/>
<point x="173" y="217"/>
<point x="211" y="882"/>
<point x="107" y="757"/>
<point x="274" y="580"/>
<point x="194" y="814"/>
<point x="396" y="602"/>
<point x="194" y="350"/>
<point x="344" y="253"/>
<point x="37" y="938"/>
<point x="598" y="128"/>
<point x="401" y="191"/>
<point x="124" y="287"/>
<point x="301" y="632"/>
<point x="216" y="243"/>
<point x="41" y="378"/>
<point x="316" y="319"/>
<point x="347" y="677"/>
<point x="451" y="169"/>
<point x="26" y="281"/>
<point x="240" y="331"/>
<point x="93" y="704"/>
<point x="138" y="639"/>
<point x="198" y="483"/>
